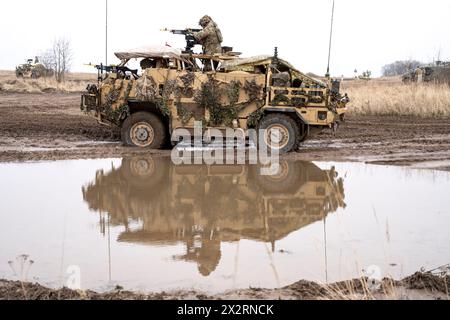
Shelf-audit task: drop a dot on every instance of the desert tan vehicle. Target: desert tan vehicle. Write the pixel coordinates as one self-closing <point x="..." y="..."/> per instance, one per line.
<point x="174" y="90"/>
<point x="32" y="69"/>
<point x="169" y="204"/>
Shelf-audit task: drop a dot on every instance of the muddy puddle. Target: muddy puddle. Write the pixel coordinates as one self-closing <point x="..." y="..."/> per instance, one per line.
<point x="147" y="225"/>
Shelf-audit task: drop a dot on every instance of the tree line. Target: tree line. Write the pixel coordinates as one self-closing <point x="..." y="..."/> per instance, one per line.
<point x="398" y="68"/>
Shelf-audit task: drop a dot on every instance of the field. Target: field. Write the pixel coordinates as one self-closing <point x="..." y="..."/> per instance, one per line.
<point x="75" y="82"/>
<point x="393" y="98"/>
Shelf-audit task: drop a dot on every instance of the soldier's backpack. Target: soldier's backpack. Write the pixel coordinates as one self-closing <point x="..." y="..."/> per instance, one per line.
<point x="218" y="33"/>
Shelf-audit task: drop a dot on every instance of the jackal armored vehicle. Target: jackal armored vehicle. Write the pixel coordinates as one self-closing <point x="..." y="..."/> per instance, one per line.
<point x="175" y="89"/>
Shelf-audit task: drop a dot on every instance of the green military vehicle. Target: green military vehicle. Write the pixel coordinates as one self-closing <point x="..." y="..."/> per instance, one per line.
<point x="33" y="69"/>
<point x="177" y="88"/>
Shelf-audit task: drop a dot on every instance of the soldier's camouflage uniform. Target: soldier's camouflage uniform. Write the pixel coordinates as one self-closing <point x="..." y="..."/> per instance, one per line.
<point x="210" y="37"/>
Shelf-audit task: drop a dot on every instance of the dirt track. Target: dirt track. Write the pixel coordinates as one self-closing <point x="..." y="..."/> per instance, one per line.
<point x="51" y="126"/>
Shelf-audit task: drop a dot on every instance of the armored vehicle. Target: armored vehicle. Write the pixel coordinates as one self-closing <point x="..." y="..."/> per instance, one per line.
<point x="32" y="69"/>
<point x="437" y="72"/>
<point x="175" y="89"/>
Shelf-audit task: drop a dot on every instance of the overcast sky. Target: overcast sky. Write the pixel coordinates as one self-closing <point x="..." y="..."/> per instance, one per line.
<point x="367" y="33"/>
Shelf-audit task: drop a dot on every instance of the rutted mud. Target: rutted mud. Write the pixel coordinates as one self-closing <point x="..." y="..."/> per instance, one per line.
<point x="51" y="126"/>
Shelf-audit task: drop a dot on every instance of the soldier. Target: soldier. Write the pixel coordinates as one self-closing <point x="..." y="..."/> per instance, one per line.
<point x="210" y="37"/>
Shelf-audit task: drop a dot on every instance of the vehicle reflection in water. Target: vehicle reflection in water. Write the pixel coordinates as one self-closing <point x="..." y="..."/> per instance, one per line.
<point x="203" y="206"/>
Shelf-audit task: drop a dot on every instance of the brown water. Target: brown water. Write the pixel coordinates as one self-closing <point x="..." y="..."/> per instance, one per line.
<point x="147" y="225"/>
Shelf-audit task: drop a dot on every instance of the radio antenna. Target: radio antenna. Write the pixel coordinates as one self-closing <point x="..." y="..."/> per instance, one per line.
<point x="331" y="37"/>
<point x="106" y="32"/>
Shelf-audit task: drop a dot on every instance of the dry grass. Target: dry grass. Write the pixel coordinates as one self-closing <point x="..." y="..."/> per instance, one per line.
<point x="392" y="97"/>
<point x="75" y="82"/>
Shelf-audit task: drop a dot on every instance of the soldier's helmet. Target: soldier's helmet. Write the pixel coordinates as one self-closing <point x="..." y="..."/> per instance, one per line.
<point x="204" y="21"/>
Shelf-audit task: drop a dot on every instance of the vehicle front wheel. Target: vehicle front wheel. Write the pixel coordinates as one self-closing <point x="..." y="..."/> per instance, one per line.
<point x="281" y="132"/>
<point x="144" y="130"/>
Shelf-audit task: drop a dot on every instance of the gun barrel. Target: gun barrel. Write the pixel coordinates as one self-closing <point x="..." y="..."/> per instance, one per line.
<point x="181" y="32"/>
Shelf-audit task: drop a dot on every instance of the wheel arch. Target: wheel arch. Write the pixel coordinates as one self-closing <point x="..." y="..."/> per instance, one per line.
<point x="295" y="115"/>
<point x="291" y="112"/>
<point x="150" y="107"/>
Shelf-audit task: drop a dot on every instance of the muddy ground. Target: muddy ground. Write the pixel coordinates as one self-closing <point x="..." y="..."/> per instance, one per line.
<point x="51" y="126"/>
<point x="420" y="286"/>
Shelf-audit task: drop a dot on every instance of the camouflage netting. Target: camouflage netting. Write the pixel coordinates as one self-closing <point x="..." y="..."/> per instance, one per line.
<point x="300" y="100"/>
<point x="253" y="90"/>
<point x="255" y="118"/>
<point x="117" y="114"/>
<point x="184" y="114"/>
<point x="219" y="98"/>
<point x="147" y="90"/>
<point x="211" y="93"/>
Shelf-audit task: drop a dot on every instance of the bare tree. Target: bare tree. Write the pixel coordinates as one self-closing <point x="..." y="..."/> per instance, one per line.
<point x="62" y="58"/>
<point x="48" y="60"/>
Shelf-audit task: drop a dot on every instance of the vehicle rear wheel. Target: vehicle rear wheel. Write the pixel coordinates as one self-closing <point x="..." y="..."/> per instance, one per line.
<point x="144" y="130"/>
<point x="281" y="132"/>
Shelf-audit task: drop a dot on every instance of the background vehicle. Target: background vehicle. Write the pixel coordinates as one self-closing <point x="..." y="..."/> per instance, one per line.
<point x="175" y="89"/>
<point x="438" y="72"/>
<point x="33" y="69"/>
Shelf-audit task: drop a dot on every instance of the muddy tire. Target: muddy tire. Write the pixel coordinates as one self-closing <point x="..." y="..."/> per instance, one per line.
<point x="281" y="132"/>
<point x="144" y="130"/>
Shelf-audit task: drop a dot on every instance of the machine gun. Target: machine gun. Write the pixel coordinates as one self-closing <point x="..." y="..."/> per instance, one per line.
<point x="120" y="70"/>
<point x="191" y="42"/>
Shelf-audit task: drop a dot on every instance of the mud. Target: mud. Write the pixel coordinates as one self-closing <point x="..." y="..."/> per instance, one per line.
<point x="50" y="127"/>
<point x="420" y="286"/>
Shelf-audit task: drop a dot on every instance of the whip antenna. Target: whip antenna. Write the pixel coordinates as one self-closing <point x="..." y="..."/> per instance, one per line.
<point x="106" y="32"/>
<point x="331" y="37"/>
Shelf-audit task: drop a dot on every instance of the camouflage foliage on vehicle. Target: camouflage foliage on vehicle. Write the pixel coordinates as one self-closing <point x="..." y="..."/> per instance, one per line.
<point x="280" y="98"/>
<point x="188" y="80"/>
<point x="253" y="90"/>
<point x="219" y="98"/>
<point x="254" y="119"/>
<point x="147" y="90"/>
<point x="184" y="114"/>
<point x="121" y="112"/>
<point x="233" y="91"/>
<point x="210" y="96"/>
